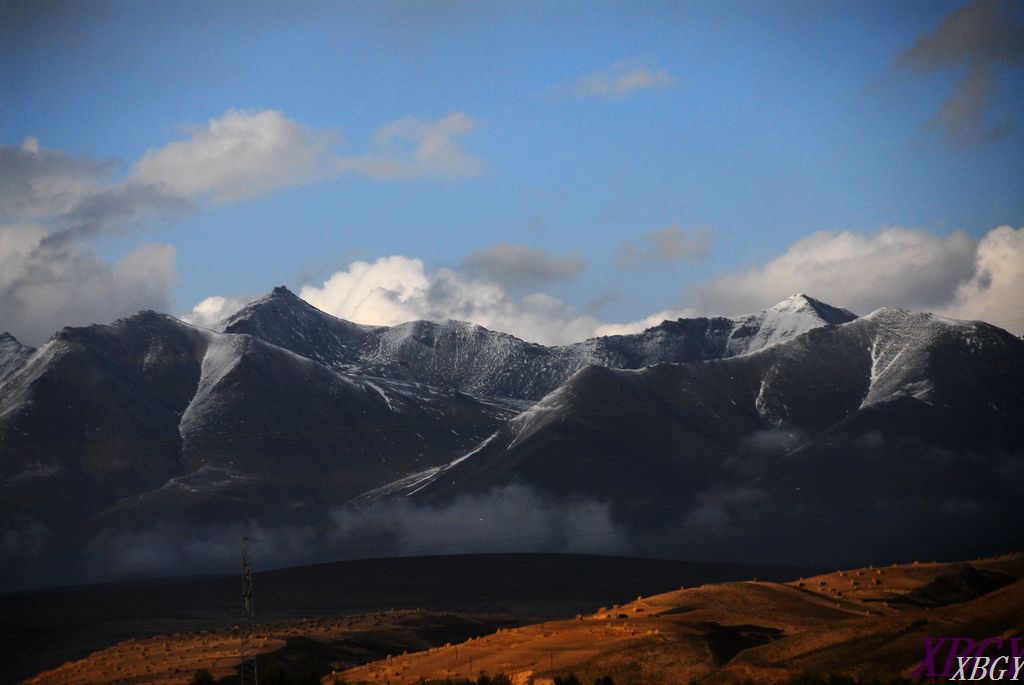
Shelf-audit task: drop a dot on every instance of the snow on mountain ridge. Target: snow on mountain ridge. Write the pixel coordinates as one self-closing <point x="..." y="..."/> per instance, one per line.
<point x="474" y="359"/>
<point x="14" y="387"/>
<point x="12" y="355"/>
<point x="891" y="378"/>
<point x="791" y="317"/>
<point x="901" y="355"/>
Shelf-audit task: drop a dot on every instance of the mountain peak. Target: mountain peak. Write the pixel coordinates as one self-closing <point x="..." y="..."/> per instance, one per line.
<point x="282" y="291"/>
<point x="146" y="317"/>
<point x="794" y="300"/>
<point x="798" y="302"/>
<point x="280" y="300"/>
<point x="284" y="319"/>
<point x="801" y="303"/>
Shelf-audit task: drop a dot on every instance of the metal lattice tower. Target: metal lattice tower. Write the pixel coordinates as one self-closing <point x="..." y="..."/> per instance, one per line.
<point x="247" y="672"/>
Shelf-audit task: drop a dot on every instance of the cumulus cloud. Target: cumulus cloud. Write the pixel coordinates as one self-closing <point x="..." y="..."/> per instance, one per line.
<point x="952" y="275"/>
<point x="52" y="202"/>
<point x="45" y="286"/>
<point x="410" y="148"/>
<point x="384" y="292"/>
<point x="979" y="39"/>
<point x="213" y="310"/>
<point x="895" y="266"/>
<point x="397" y="289"/>
<point x="244" y="154"/>
<point x="995" y="292"/>
<point x="522" y="265"/>
<point x="49" y="201"/>
<point x="667" y="246"/>
<point x="238" y="155"/>
<point x="620" y="80"/>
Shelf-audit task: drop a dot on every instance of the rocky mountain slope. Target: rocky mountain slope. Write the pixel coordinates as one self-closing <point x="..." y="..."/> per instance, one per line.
<point x="470" y="358"/>
<point x="899" y="433"/>
<point x="149" y="420"/>
<point x="115" y="438"/>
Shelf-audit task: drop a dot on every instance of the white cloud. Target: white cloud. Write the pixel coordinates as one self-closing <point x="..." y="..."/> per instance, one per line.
<point x="411" y="147"/>
<point x="952" y="275"/>
<point x="620" y="80"/>
<point x="245" y="154"/>
<point x="995" y="293"/>
<point x="397" y="289"/>
<point x="238" y="155"/>
<point x="50" y="202"/>
<point x="213" y="310"/>
<point x="45" y="286"/>
<point x="894" y="267"/>
<point x="385" y="292"/>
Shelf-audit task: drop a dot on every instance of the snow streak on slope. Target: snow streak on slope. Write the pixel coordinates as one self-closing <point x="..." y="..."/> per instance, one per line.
<point x="415" y="482"/>
<point x="12" y="355"/>
<point x="900" y="359"/>
<point x="15" y="384"/>
<point x="223" y="353"/>
<point x="741" y="410"/>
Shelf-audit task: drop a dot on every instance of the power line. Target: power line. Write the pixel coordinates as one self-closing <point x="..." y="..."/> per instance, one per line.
<point x="247" y="671"/>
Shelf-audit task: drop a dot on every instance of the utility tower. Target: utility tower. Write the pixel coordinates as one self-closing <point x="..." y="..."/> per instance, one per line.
<point x="247" y="666"/>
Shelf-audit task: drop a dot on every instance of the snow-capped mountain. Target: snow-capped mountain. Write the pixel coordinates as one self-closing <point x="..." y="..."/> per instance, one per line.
<point x="470" y="358"/>
<point x="284" y="414"/>
<point x="151" y="419"/>
<point x="913" y="421"/>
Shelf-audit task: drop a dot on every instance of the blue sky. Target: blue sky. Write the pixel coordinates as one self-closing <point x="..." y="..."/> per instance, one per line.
<point x="555" y="169"/>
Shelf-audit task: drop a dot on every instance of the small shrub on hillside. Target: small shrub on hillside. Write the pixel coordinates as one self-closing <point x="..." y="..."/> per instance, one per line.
<point x="500" y="679"/>
<point x="483" y="679"/>
<point x="272" y="674"/>
<point x="202" y="677"/>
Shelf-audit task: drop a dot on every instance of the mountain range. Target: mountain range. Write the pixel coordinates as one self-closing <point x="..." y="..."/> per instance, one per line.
<point x="801" y="434"/>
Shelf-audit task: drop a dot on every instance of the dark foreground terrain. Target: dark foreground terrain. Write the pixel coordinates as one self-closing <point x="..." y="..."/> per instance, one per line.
<point x="43" y="629"/>
<point x="483" y="615"/>
<point x="854" y="627"/>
